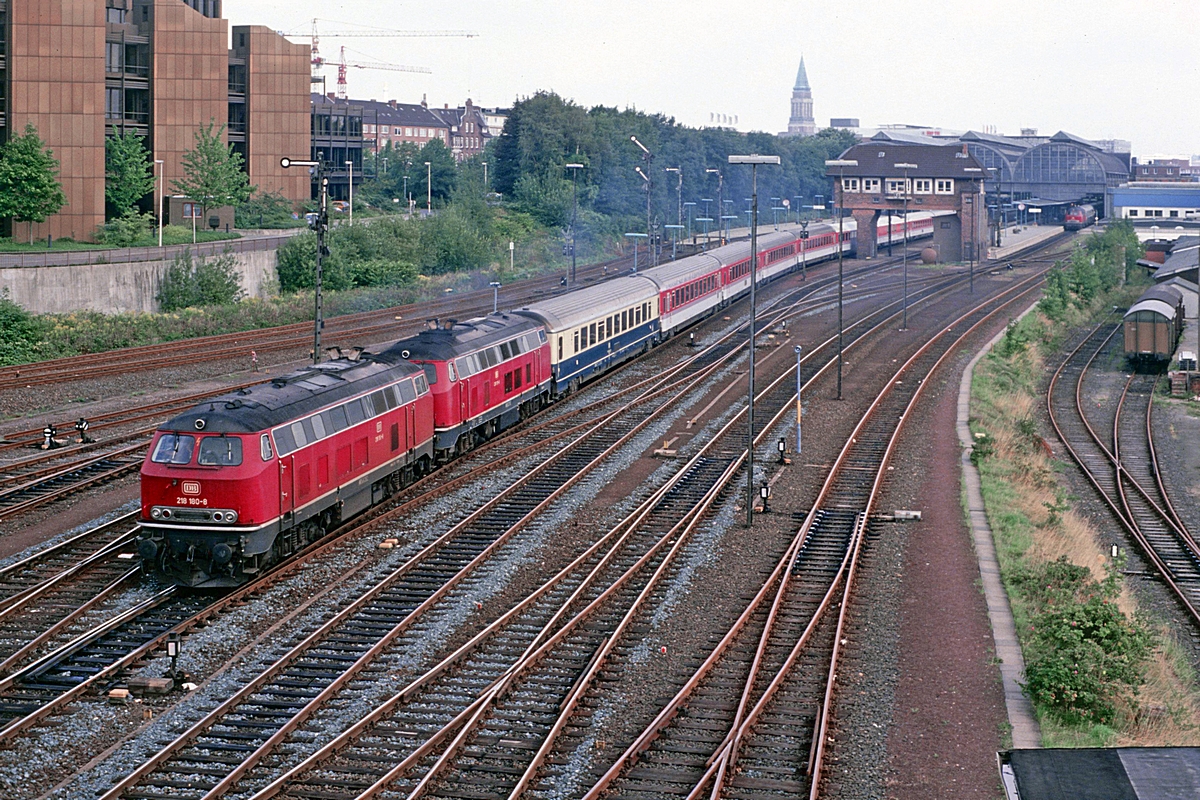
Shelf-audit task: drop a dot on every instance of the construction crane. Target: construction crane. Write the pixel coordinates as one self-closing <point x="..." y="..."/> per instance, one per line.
<point x="318" y="62"/>
<point x="343" y="66"/>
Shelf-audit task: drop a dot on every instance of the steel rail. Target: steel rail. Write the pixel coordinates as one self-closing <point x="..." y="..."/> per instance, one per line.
<point x="1090" y="474"/>
<point x="717" y="762"/>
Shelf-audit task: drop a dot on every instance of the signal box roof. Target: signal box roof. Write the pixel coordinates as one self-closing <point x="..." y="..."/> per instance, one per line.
<point x="878" y="159"/>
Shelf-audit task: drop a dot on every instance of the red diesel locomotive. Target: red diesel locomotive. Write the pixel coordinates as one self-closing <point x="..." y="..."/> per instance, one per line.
<point x="242" y="481"/>
<point x="486" y="374"/>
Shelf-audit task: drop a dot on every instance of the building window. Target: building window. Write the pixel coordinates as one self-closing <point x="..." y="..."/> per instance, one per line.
<point x="850" y="184"/>
<point x="115" y="15"/>
<point x="1174" y="213"/>
<point x="945" y="186"/>
<point x="408" y="132"/>
<point x="923" y="185"/>
<point x="895" y="185"/>
<point x="1133" y="212"/>
<point x="114" y="56"/>
<point x="113" y="107"/>
<point x="870" y="184"/>
<point x="191" y="211"/>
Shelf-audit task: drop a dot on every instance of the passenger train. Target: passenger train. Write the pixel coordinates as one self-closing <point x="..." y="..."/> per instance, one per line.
<point x="243" y="481"/>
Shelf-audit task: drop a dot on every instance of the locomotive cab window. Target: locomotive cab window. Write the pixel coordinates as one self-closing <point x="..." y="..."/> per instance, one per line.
<point x="174" y="448"/>
<point x="264" y="447"/>
<point x="422" y="386"/>
<point x="430" y="373"/>
<point x="220" y="451"/>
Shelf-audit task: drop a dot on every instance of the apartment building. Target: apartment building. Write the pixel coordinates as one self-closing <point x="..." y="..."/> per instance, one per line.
<point x="79" y="70"/>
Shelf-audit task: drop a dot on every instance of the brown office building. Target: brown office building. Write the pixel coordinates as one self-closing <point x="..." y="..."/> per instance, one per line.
<point x="80" y="69"/>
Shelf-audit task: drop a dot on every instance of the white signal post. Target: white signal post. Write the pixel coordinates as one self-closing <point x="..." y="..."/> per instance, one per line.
<point x="753" y="160"/>
<point x="841" y="164"/>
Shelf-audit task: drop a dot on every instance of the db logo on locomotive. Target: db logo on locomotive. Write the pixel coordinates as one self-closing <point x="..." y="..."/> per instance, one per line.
<point x="191" y="487"/>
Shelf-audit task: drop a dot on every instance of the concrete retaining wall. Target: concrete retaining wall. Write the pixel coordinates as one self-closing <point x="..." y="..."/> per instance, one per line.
<point x="114" y="288"/>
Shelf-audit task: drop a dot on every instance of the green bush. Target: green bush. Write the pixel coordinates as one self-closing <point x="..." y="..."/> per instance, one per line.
<point x="127" y="229"/>
<point x="1084" y="659"/>
<point x="267" y="210"/>
<point x="200" y="282"/>
<point x="19" y="333"/>
<point x="382" y="253"/>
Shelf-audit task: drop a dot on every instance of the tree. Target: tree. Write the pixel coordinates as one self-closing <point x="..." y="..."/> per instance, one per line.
<point x="442" y="168"/>
<point x="129" y="173"/>
<point x="29" y="187"/>
<point x="213" y="173"/>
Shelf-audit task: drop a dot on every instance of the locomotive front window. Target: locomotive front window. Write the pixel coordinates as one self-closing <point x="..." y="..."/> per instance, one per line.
<point x="174" y="448"/>
<point x="220" y="451"/>
<point x="430" y="373"/>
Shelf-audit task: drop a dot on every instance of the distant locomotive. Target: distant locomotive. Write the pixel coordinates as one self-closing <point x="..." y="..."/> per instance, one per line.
<point x="243" y="481"/>
<point x="1079" y="217"/>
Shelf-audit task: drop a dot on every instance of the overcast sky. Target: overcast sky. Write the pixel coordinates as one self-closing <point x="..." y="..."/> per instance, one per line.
<point x="1100" y="69"/>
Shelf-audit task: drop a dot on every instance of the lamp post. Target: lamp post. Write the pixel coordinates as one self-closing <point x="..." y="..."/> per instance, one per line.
<point x="512" y="257"/>
<point x="727" y="218"/>
<point x="485" y="180"/>
<point x="707" y="218"/>
<point x="574" y="209"/>
<point x="799" y="205"/>
<point x="648" y="157"/>
<point x="322" y="226"/>
<point x="350" y="164"/>
<point x="675" y="231"/>
<point x="753" y="160"/>
<point x="689" y="205"/>
<point x="799" y="409"/>
<point x="635" y="237"/>
<point x="161" y="168"/>
<point x="406" y="199"/>
<point x="428" y="187"/>
<point x="679" y="189"/>
<point x="720" y="188"/>
<point x="495" y="295"/>
<point x="904" y="239"/>
<point x="841" y="164"/>
<point x="974" y="237"/>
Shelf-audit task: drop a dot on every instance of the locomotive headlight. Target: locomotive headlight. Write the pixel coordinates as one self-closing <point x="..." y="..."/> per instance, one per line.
<point x="231" y="517"/>
<point x="218" y="516"/>
<point x="156" y="512"/>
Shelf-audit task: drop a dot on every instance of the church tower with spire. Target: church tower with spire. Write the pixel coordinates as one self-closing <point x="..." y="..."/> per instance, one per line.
<point x="801" y="122"/>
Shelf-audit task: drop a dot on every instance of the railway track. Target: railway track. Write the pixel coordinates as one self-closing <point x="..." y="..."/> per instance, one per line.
<point x="52" y="483"/>
<point x="751" y="720"/>
<point x="568" y="654"/>
<point x="388" y="323"/>
<point x="1127" y="484"/>
<point x="606" y="435"/>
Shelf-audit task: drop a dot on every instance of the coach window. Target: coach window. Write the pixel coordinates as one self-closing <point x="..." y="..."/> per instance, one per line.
<point x="298" y="434"/>
<point x="174" y="448"/>
<point x="318" y="426"/>
<point x="592" y="334"/>
<point x="560" y="346"/>
<point x="574" y="348"/>
<point x="220" y="451"/>
<point x="264" y="447"/>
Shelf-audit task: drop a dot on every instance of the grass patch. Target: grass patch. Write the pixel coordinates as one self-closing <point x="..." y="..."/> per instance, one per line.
<point x="1098" y="672"/>
<point x="1094" y="689"/>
